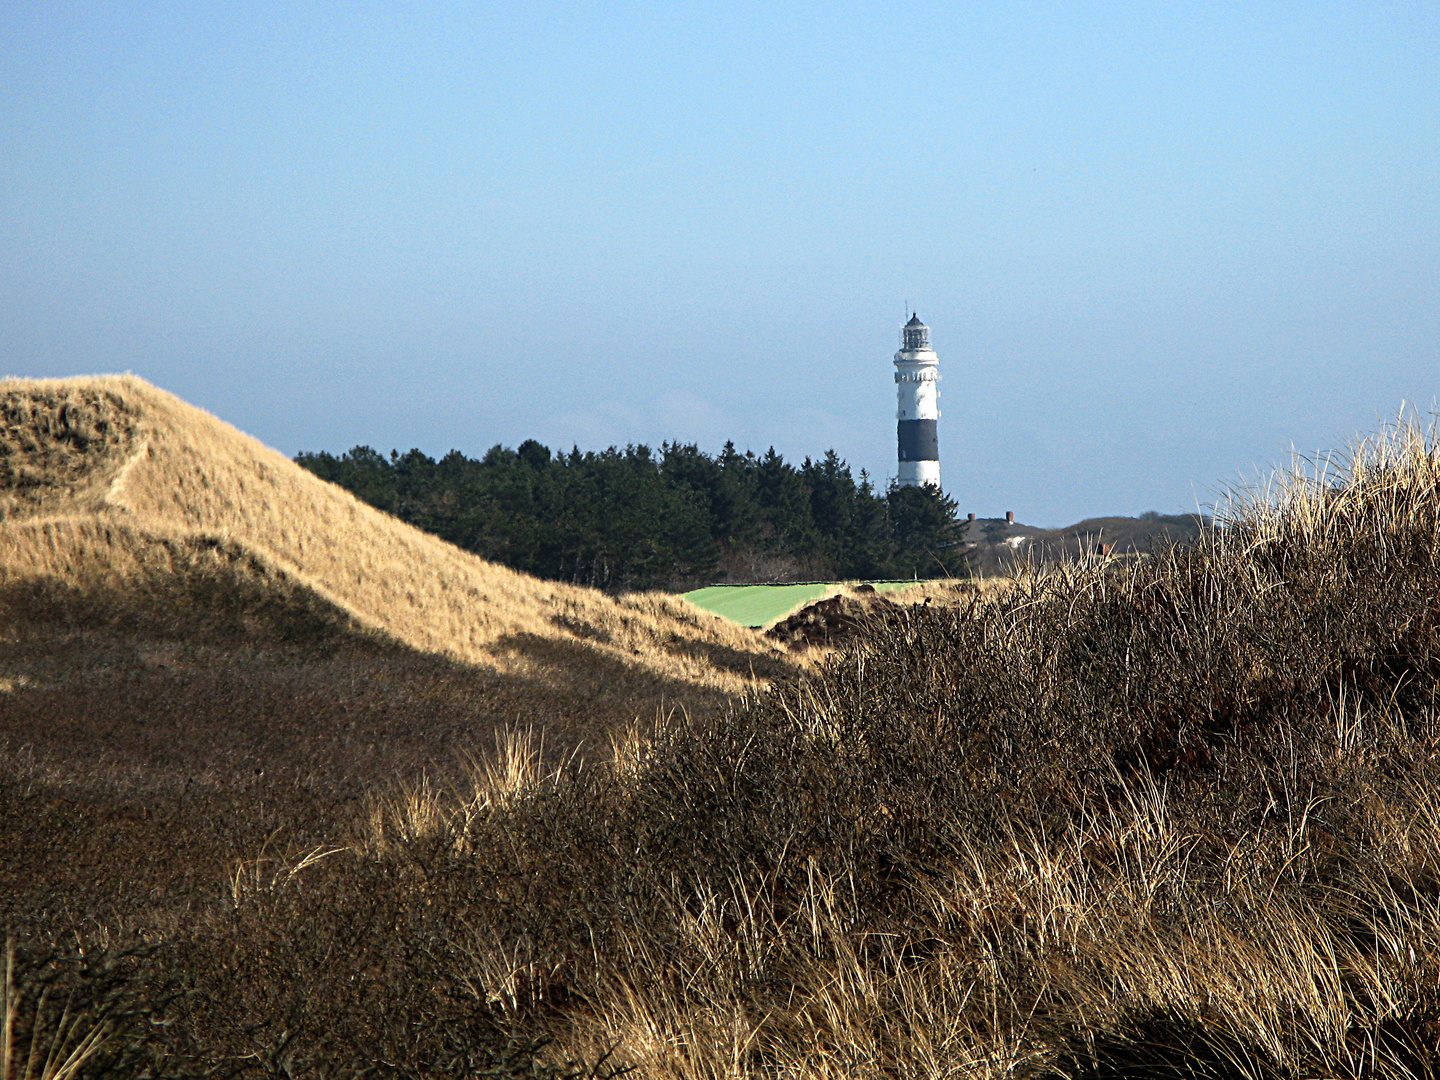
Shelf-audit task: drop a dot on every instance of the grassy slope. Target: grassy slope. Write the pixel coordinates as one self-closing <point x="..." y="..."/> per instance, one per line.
<point x="201" y="643"/>
<point x="167" y="493"/>
<point x="1162" y="818"/>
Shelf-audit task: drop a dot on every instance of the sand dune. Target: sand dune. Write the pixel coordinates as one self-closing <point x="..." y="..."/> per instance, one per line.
<point x="122" y="505"/>
<point x="207" y="652"/>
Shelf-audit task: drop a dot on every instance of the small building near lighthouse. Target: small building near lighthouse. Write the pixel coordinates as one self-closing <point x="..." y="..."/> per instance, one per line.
<point x="917" y="371"/>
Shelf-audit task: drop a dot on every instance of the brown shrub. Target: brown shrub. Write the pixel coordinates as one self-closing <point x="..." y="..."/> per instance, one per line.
<point x="1171" y="818"/>
<point x="1174" y="817"/>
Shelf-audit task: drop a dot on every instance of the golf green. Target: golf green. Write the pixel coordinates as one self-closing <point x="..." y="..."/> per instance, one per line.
<point x="755" y="605"/>
<point x="761" y="605"/>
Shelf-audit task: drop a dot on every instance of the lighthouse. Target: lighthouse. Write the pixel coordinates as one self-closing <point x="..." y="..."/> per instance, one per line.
<point x="917" y="370"/>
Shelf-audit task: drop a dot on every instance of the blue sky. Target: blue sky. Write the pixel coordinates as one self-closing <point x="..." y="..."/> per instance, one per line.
<point x="1158" y="245"/>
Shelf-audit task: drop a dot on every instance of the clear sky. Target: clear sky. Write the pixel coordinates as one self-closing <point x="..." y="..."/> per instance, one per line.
<point x="1157" y="244"/>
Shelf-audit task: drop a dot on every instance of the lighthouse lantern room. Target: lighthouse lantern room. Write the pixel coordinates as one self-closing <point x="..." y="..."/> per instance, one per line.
<point x="917" y="370"/>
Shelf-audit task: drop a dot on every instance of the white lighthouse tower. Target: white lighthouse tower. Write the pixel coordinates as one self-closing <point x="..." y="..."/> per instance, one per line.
<point x="917" y="370"/>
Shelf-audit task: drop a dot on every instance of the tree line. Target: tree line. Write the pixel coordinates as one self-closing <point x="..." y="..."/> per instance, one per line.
<point x="633" y="518"/>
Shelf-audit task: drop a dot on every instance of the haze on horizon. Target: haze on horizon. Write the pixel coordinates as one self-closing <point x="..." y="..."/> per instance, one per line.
<point x="1157" y="245"/>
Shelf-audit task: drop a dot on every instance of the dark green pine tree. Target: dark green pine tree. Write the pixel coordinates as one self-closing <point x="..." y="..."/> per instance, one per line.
<point x="927" y="532"/>
<point x="629" y="518"/>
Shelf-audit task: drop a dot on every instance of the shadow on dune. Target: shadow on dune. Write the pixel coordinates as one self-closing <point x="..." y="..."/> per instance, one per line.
<point x="146" y="765"/>
<point x="705" y="655"/>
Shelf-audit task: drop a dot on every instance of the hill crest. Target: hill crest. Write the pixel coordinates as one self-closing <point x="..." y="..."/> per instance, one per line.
<point x="116" y="495"/>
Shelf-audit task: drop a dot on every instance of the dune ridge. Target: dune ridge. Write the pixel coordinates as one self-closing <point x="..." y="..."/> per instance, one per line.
<point x="120" y="501"/>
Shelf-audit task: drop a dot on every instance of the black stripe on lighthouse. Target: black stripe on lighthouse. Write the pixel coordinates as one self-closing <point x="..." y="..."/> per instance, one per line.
<point x="918" y="440"/>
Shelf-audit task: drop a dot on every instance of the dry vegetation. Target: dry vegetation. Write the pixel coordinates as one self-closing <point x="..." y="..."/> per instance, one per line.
<point x="202" y="644"/>
<point x="849" y="610"/>
<point x="1171" y="817"/>
<point x="174" y="593"/>
<point x="115" y="492"/>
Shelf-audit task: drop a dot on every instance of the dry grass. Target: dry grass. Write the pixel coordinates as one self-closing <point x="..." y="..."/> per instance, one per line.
<point x="204" y="648"/>
<point x="58" y="1054"/>
<point x="1161" y="818"/>
<point x="122" y="495"/>
<point x="1173" y="818"/>
<point x="944" y="592"/>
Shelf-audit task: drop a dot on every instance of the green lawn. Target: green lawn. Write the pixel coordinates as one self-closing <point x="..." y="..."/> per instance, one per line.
<point x="761" y="605"/>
